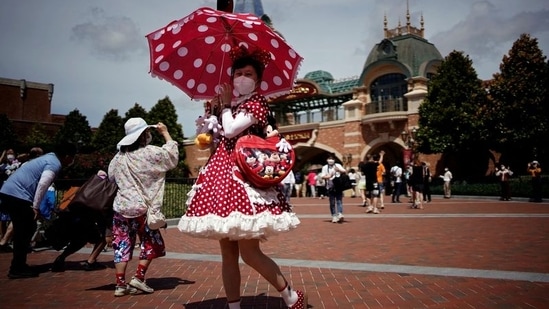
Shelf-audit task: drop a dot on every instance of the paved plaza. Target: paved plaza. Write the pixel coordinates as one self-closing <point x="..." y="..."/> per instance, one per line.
<point x="461" y="252"/>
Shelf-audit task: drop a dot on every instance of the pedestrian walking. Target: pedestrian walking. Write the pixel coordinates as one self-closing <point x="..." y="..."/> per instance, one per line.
<point x="231" y="210"/>
<point x="534" y="169"/>
<point x="288" y="184"/>
<point x="503" y="174"/>
<point x="311" y="184"/>
<point x="396" y="174"/>
<point x="447" y="178"/>
<point x="329" y="172"/>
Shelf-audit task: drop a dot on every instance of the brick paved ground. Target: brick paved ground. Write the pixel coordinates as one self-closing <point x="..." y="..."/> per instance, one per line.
<point x="456" y="253"/>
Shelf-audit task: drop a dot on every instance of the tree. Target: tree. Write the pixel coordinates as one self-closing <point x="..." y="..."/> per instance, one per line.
<point x="8" y="139"/>
<point x="136" y="111"/>
<point x="76" y="130"/>
<point x="519" y="113"/>
<point x="109" y="132"/>
<point x="451" y="116"/>
<point x="38" y="137"/>
<point x="164" y="111"/>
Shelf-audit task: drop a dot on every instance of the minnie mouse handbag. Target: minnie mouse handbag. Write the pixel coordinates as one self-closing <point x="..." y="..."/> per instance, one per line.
<point x="263" y="162"/>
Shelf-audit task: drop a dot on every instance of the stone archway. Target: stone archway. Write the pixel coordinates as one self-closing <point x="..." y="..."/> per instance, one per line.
<point x="307" y="154"/>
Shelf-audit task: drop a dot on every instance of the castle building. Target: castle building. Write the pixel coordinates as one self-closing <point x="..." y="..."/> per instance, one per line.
<point x="353" y="117"/>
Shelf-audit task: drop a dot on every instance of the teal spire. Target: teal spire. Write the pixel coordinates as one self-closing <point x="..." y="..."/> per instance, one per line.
<point x="249" y="6"/>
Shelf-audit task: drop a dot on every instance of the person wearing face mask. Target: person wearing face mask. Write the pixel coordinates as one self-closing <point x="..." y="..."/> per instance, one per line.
<point x="503" y="173"/>
<point x="9" y="164"/>
<point x="222" y="205"/>
<point x="21" y="196"/>
<point x="139" y="171"/>
<point x="335" y="196"/>
<point x="6" y="226"/>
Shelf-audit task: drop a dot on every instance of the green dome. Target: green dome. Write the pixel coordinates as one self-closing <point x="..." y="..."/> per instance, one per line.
<point x="413" y="52"/>
<point x="319" y="76"/>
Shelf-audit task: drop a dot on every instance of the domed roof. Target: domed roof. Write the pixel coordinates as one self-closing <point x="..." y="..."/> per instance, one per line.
<point x="412" y="51"/>
<point x="319" y="76"/>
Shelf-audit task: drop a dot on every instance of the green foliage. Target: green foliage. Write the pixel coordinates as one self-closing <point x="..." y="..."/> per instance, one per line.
<point x="109" y="132"/>
<point x="451" y="116"/>
<point x="37" y="136"/>
<point x="520" y="187"/>
<point x="164" y="111"/>
<point x="136" y="111"/>
<point x="76" y="130"/>
<point x="519" y="114"/>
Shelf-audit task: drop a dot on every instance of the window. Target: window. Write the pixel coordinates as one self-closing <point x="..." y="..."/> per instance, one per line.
<point x="387" y="93"/>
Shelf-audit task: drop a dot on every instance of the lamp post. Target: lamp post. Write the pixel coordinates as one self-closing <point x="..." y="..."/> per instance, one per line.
<point x="408" y="137"/>
<point x="347" y="159"/>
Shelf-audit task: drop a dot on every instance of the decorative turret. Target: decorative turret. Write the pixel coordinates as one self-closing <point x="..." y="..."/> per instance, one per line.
<point x="403" y="30"/>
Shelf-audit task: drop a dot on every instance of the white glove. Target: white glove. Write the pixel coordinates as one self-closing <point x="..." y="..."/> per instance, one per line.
<point x="283" y="146"/>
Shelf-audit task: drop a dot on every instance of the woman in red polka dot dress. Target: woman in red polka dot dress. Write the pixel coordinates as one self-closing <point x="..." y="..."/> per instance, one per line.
<point x="222" y="206"/>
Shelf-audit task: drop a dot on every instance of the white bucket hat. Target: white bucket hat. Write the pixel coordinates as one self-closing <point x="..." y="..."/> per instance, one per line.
<point x="134" y="127"/>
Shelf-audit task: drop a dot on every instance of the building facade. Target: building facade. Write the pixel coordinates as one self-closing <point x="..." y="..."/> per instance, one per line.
<point x="354" y="117"/>
<point x="28" y="104"/>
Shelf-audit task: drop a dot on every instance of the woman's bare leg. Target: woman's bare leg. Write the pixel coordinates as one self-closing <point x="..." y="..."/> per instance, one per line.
<point x="253" y="256"/>
<point x="230" y="270"/>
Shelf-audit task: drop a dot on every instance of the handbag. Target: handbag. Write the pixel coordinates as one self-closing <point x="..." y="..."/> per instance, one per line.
<point x="97" y="193"/>
<point x="342" y="183"/>
<point x="155" y="220"/>
<point x="261" y="162"/>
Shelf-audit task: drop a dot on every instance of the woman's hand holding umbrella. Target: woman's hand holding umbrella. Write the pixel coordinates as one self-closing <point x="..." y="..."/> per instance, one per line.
<point x="224" y="98"/>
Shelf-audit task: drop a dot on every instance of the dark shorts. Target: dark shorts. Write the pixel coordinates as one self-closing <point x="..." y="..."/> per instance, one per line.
<point x="373" y="189"/>
<point x="417" y="187"/>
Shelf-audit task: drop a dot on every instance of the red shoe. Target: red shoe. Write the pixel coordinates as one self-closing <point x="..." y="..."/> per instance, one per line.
<point x="301" y="302"/>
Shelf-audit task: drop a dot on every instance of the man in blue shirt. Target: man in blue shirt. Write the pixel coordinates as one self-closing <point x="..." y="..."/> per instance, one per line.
<point x="20" y="197"/>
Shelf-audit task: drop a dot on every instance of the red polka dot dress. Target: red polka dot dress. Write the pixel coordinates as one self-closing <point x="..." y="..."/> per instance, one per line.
<point x="221" y="205"/>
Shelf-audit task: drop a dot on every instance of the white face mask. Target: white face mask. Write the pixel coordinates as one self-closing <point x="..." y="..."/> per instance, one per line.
<point x="244" y="85"/>
<point x="330" y="162"/>
<point x="11" y="157"/>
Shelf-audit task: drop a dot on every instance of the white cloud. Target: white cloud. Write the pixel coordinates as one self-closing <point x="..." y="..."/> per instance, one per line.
<point x="115" y="37"/>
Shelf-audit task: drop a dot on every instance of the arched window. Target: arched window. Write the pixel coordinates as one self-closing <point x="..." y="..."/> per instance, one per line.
<point x="387" y="93"/>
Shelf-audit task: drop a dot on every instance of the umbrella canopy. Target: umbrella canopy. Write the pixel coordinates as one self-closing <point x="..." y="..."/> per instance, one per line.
<point x="193" y="53"/>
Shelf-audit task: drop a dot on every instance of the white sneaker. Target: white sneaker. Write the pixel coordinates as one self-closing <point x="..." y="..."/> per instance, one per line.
<point x="376" y="211"/>
<point x="340" y="217"/>
<point x="335" y="219"/>
<point x="369" y="209"/>
<point x="136" y="283"/>
<point x="124" y="290"/>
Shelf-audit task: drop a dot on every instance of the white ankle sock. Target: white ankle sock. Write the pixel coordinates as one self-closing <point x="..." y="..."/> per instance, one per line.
<point x="289" y="295"/>
<point x="234" y="305"/>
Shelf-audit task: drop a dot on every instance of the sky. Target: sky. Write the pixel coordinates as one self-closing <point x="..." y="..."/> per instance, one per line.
<point x="96" y="54"/>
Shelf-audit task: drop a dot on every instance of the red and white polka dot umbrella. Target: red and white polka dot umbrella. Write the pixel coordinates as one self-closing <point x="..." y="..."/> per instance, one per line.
<point x="193" y="53"/>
